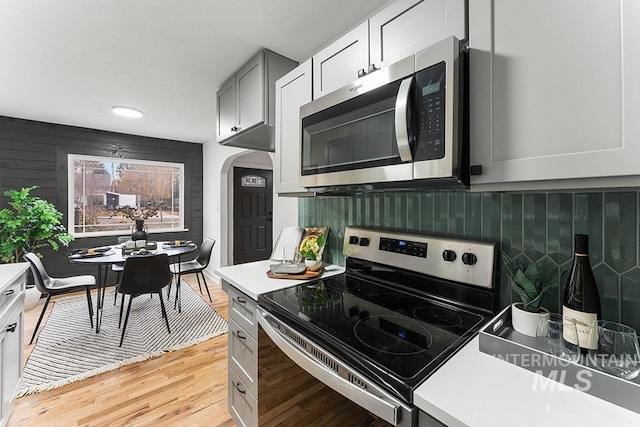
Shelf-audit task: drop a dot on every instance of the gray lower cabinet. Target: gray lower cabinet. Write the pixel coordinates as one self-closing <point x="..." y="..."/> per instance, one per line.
<point x="243" y="359"/>
<point x="12" y="285"/>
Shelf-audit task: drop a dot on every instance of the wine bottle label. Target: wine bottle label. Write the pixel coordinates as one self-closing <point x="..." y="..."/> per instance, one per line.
<point x="583" y="322"/>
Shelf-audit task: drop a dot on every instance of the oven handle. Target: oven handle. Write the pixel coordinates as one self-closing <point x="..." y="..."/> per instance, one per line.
<point x="402" y="109"/>
<point x="377" y="405"/>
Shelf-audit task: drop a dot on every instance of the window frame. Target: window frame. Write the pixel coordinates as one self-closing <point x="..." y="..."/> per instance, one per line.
<point x="71" y="158"/>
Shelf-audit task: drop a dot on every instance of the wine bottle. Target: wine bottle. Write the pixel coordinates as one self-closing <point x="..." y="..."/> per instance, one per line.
<point x="581" y="302"/>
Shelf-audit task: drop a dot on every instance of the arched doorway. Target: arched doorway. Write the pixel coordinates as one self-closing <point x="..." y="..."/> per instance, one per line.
<point x="255" y="160"/>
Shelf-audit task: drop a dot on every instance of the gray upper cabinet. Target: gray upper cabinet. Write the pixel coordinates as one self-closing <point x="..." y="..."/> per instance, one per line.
<point x="554" y="93"/>
<point x="407" y="26"/>
<point x="251" y="82"/>
<point x="246" y="102"/>
<point x="400" y="29"/>
<point x="339" y="63"/>
<point x="292" y="91"/>
<point x="226" y="98"/>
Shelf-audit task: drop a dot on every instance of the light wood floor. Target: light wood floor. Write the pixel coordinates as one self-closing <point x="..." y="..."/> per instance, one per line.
<point x="182" y="388"/>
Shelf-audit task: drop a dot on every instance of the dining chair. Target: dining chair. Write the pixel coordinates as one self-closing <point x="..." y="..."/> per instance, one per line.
<point x="197" y="265"/>
<point x="118" y="267"/>
<point x="147" y="274"/>
<point x="55" y="286"/>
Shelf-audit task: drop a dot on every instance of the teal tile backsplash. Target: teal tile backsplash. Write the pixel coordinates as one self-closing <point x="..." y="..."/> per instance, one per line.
<point x="537" y="226"/>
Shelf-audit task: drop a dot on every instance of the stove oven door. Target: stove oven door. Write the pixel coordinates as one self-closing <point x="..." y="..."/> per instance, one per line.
<point x="289" y="367"/>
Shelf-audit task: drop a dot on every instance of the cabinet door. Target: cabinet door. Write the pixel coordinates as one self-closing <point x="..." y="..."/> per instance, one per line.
<point x="10" y="360"/>
<point x="337" y="64"/>
<point x="243" y="406"/>
<point x="555" y="98"/>
<point x="407" y="26"/>
<point x="292" y="91"/>
<point x="250" y="93"/>
<point x="226" y="104"/>
<point x="243" y="356"/>
<point x="242" y="310"/>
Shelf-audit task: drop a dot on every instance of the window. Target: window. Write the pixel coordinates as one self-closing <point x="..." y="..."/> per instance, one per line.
<point x="253" y="181"/>
<point x="98" y="186"/>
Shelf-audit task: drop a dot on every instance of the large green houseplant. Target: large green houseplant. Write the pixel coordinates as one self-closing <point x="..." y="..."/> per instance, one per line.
<point x="28" y="224"/>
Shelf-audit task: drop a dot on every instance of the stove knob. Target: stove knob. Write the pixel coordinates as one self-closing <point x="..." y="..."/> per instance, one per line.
<point x="469" y="259"/>
<point x="353" y="311"/>
<point x="364" y="315"/>
<point x="364" y="241"/>
<point x="353" y="240"/>
<point x="449" y="255"/>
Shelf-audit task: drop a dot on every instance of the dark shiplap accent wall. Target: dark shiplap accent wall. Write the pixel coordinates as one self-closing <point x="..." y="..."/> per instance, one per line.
<point x="35" y="153"/>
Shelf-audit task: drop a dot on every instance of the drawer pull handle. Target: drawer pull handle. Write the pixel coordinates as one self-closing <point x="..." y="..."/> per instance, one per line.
<point x="12" y="327"/>
<point x="241" y="300"/>
<point x="9" y="292"/>
<point x="239" y="335"/>
<point x="241" y="391"/>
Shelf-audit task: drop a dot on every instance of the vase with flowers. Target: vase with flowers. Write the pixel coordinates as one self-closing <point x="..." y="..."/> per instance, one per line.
<point x="311" y="249"/>
<point x="138" y="216"/>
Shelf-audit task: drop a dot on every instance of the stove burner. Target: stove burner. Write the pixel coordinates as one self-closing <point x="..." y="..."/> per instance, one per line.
<point x="437" y="316"/>
<point x="393" y="335"/>
<point x="313" y="297"/>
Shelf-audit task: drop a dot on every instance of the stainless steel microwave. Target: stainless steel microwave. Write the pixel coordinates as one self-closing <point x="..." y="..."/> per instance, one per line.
<point x="399" y="126"/>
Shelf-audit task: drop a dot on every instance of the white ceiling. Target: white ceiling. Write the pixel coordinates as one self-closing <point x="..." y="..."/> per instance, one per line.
<point x="70" y="61"/>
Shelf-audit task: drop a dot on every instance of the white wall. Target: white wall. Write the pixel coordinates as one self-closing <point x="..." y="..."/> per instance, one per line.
<point x="218" y="162"/>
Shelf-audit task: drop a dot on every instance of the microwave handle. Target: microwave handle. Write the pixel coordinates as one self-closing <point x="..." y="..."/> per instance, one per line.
<point x="402" y="106"/>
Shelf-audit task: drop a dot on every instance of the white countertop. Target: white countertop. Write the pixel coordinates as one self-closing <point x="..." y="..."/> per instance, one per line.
<point x="251" y="278"/>
<point x="476" y="389"/>
<point x="10" y="272"/>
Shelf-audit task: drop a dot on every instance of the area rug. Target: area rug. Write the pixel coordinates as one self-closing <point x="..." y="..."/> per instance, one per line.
<point x="68" y="350"/>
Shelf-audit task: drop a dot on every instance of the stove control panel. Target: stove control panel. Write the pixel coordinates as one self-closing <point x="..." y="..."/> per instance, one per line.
<point x="460" y="260"/>
<point x="406" y="247"/>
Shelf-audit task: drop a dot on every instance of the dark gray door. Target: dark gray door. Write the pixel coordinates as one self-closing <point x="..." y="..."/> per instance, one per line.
<point x="252" y="214"/>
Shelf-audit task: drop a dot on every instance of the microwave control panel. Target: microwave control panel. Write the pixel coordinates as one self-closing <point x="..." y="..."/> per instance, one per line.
<point x="430" y="86"/>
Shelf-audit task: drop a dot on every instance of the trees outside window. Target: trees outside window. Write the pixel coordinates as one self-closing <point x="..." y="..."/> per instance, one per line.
<point x="98" y="186"/>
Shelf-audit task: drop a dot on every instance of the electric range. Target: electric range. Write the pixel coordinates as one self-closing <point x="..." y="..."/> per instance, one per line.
<point x="406" y="303"/>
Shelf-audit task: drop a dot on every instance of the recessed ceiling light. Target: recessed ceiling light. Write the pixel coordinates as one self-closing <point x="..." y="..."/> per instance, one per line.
<point x="127" y="112"/>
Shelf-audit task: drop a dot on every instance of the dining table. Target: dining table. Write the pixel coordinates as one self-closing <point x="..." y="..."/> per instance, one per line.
<point x="104" y="257"/>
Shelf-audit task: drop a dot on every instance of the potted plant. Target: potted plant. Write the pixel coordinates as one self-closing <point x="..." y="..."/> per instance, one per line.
<point x="28" y="224"/>
<point x="139" y="229"/>
<point x="311" y="249"/>
<point x="526" y="281"/>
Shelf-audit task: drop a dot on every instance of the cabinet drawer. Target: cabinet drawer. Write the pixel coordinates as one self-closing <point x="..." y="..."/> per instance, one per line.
<point x="11" y="292"/>
<point x="243" y="407"/>
<point x="11" y="328"/>
<point x="243" y="356"/>
<point x="242" y="309"/>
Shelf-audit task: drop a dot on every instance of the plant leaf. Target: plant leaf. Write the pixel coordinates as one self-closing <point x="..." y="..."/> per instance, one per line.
<point x="526" y="285"/>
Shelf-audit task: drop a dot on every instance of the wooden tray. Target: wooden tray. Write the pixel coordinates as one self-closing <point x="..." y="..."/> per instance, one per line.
<point x="308" y="274"/>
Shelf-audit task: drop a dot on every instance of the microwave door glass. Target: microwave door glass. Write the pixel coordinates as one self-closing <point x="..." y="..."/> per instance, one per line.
<point x="356" y="134"/>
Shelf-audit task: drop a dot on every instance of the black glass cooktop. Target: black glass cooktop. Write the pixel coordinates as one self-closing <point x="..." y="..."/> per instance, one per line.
<point x="394" y="336"/>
